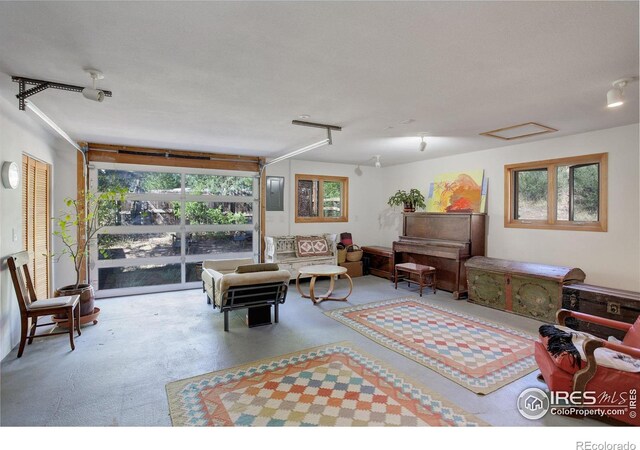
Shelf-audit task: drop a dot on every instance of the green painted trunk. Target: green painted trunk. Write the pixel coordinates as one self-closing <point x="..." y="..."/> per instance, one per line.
<point x="487" y="288"/>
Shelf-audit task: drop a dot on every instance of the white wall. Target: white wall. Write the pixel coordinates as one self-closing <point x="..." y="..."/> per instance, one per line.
<point x="20" y="132"/>
<point x="364" y="190"/>
<point x="609" y="259"/>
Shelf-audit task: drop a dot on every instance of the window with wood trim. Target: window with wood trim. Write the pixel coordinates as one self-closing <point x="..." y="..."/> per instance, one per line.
<point x="322" y="198"/>
<point x="565" y="193"/>
<point x="36" y="223"/>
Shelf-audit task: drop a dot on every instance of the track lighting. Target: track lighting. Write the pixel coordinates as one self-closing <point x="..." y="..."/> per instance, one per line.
<point x="423" y="144"/>
<point x="615" y="95"/>
<point x="377" y="164"/>
<point x="92" y="93"/>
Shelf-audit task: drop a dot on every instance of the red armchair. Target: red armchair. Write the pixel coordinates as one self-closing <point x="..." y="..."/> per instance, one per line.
<point x="606" y="382"/>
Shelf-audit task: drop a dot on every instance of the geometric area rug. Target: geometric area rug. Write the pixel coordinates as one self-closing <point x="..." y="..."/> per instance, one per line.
<point x="331" y="385"/>
<point x="477" y="354"/>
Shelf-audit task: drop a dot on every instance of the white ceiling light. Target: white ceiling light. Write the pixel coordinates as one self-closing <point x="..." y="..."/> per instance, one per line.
<point x="423" y="144"/>
<point x="378" y="165"/>
<point x="615" y="95"/>
<point x="94" y="94"/>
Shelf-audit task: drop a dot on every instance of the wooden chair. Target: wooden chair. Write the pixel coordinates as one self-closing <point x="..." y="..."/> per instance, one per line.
<point x="32" y="308"/>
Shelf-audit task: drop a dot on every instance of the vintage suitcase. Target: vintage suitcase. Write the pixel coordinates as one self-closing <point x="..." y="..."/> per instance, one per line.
<point x="354" y="268"/>
<point x="528" y="289"/>
<point x="615" y="304"/>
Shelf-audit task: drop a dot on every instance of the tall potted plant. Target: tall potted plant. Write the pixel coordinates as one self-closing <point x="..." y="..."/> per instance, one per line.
<point x="409" y="200"/>
<point x="68" y="225"/>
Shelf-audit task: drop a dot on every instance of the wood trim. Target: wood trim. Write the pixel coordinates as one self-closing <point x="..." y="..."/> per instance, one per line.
<point x="593" y="157"/>
<point x="263" y="209"/>
<point x="552" y="222"/>
<point x="321" y="218"/>
<point x="604" y="192"/>
<point x="552" y="201"/>
<point x="508" y="197"/>
<point x="119" y="158"/>
<point x="81" y="186"/>
<point x="169" y="157"/>
<point x="493" y="135"/>
<point x="164" y="151"/>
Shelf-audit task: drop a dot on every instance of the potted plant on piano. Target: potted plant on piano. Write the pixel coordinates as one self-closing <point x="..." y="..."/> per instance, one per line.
<point x="90" y="217"/>
<point x="409" y="200"/>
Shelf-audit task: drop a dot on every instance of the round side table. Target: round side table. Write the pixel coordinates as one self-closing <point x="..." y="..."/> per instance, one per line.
<point x="324" y="270"/>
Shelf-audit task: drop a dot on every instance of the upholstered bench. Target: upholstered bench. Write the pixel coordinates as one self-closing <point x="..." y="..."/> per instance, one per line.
<point x="293" y="252"/>
<point x="422" y="273"/>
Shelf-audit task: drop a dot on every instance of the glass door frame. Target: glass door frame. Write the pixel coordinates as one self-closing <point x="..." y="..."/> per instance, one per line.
<point x="182" y="229"/>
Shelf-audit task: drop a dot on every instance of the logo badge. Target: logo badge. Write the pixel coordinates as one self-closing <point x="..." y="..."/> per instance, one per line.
<point x="533" y="403"/>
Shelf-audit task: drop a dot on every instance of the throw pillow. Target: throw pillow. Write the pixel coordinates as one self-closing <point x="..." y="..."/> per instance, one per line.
<point x="264" y="267"/>
<point x="312" y="246"/>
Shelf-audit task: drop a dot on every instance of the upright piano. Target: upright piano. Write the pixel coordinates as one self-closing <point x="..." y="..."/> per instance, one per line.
<point x="444" y="241"/>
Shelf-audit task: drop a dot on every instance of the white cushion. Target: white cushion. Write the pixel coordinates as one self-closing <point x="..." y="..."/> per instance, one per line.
<point x="53" y="302"/>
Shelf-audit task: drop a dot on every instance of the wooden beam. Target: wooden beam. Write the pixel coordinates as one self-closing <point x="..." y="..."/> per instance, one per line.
<point x="142" y="159"/>
<point x="163" y="152"/>
<point x="263" y="209"/>
<point x="81" y="184"/>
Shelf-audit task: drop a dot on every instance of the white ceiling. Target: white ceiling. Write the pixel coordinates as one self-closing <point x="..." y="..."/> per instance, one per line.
<point x="230" y="76"/>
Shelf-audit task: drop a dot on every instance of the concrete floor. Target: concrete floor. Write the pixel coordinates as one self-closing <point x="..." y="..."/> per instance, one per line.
<point x="118" y="372"/>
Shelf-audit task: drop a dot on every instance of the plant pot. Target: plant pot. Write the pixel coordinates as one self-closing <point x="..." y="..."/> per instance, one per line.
<point x="87" y="297"/>
<point x="408" y="207"/>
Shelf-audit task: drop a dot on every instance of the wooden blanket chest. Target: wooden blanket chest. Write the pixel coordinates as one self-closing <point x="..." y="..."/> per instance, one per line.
<point x="528" y="289"/>
<point x="380" y="260"/>
<point x="615" y="304"/>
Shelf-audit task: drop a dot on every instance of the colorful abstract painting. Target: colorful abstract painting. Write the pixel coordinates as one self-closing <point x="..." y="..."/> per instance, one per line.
<point x="458" y="192"/>
<point x="331" y="385"/>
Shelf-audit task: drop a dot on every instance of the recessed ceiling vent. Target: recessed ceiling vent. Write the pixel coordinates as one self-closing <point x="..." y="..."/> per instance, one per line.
<point x="519" y="131"/>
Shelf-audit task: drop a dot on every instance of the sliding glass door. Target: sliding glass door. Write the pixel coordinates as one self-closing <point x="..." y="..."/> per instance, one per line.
<point x="170" y="220"/>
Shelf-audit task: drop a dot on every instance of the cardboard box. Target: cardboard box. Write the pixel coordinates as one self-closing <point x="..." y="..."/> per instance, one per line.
<point x="354" y="269"/>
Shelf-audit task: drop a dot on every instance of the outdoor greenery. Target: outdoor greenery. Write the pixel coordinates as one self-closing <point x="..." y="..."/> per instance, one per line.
<point x="332" y="202"/>
<point x="533" y="186"/>
<point x="162" y="182"/>
<point x="199" y="213"/>
<point x="123" y="211"/>
<point x="71" y="220"/>
<point x="140" y="212"/>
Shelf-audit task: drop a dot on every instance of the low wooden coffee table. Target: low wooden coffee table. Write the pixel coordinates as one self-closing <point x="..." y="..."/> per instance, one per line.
<point x="323" y="270"/>
<point x="417" y="269"/>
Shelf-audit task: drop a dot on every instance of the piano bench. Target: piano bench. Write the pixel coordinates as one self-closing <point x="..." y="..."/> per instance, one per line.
<point x="426" y="275"/>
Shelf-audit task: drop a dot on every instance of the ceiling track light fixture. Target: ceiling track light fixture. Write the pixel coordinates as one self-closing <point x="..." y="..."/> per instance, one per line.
<point x="41" y="85"/>
<point x="321" y="143"/>
<point x="93" y="93"/>
<point x="615" y="95"/>
<point x="423" y="144"/>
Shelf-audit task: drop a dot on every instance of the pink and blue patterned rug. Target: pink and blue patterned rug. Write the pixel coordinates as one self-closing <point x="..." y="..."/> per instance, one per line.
<point x="479" y="355"/>
<point x="332" y="385"/>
